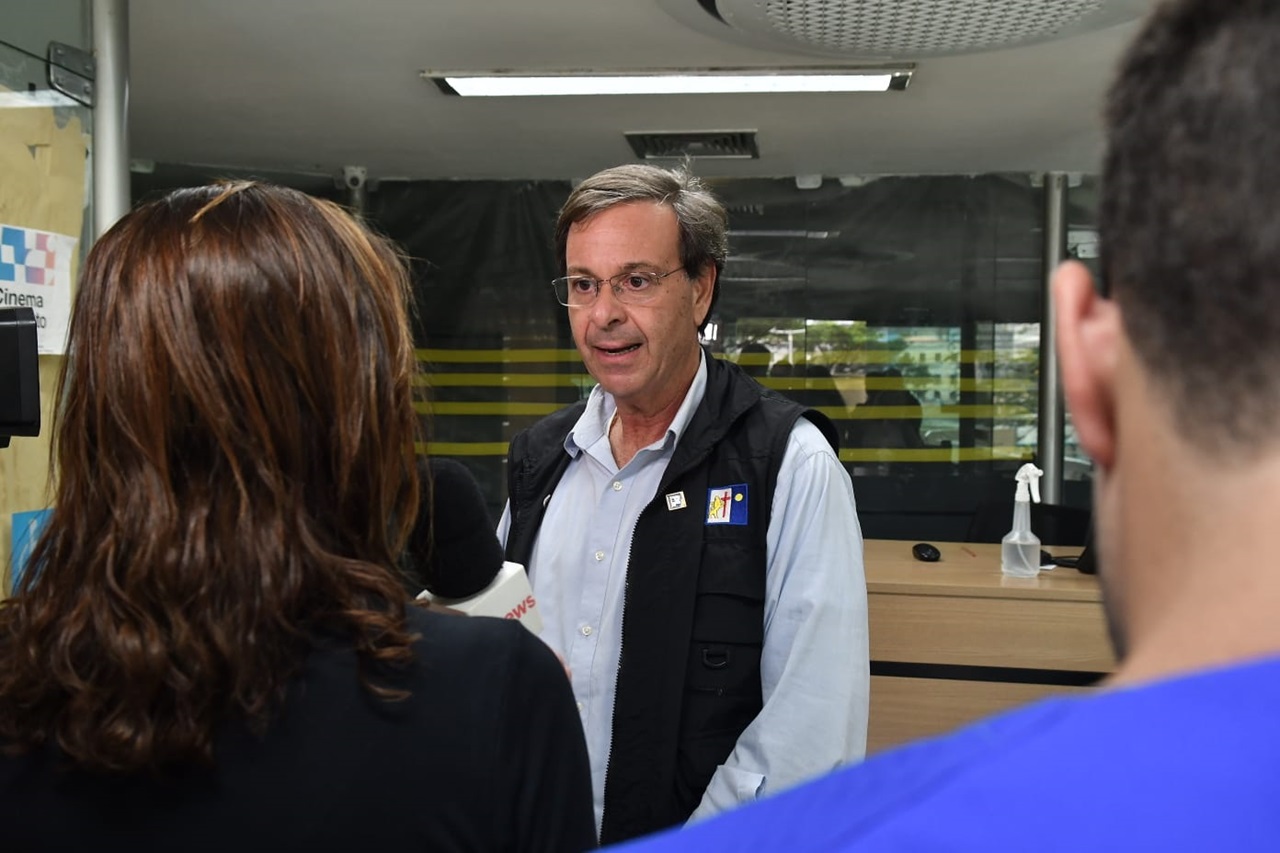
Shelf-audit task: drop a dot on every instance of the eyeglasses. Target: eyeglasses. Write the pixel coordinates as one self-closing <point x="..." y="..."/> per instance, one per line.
<point x="631" y="288"/>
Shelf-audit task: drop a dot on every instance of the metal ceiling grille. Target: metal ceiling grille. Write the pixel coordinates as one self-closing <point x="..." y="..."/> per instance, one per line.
<point x="899" y="29"/>
<point x="918" y="27"/>
<point x="708" y="144"/>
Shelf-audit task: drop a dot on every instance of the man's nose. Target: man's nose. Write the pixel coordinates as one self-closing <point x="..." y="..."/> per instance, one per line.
<point x="606" y="309"/>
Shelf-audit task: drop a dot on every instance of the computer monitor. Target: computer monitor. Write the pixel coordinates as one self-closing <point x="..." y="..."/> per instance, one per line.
<point x="1087" y="562"/>
<point x="19" y="374"/>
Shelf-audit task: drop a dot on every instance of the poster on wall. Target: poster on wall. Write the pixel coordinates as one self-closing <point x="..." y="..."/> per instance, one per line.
<point x="27" y="527"/>
<point x="35" y="273"/>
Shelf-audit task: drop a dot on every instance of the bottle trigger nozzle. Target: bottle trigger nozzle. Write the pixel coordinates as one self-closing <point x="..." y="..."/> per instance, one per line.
<point x="1028" y="478"/>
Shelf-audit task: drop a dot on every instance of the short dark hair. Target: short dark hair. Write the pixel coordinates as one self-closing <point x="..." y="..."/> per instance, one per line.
<point x="702" y="219"/>
<point x="1190" y="214"/>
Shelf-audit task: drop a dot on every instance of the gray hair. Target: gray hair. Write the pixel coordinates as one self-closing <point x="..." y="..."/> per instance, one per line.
<point x="701" y="218"/>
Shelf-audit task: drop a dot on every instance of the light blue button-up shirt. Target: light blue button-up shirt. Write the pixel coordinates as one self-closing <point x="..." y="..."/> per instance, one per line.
<point x="814" y="665"/>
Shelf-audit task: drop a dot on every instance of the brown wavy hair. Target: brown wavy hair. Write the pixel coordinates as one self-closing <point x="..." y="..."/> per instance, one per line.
<point x="235" y="477"/>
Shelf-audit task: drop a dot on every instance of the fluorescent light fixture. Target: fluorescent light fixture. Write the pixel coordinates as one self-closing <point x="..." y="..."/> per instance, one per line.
<point x="681" y="82"/>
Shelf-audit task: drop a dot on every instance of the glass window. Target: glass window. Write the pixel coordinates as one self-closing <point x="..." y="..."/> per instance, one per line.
<point x="908" y="309"/>
<point x="905" y="308"/>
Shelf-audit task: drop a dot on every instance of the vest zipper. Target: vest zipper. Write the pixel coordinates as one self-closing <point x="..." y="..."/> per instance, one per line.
<point x="622" y="650"/>
<point x="664" y="485"/>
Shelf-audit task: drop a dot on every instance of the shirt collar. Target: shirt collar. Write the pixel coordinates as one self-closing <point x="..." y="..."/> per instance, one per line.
<point x="594" y="421"/>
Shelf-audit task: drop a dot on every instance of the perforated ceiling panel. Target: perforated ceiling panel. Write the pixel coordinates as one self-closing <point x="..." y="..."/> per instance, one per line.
<point x="899" y="29"/>
<point x="920" y="26"/>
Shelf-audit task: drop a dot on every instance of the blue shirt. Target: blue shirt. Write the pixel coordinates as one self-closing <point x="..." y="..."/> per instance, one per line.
<point x="1191" y="763"/>
<point x="814" y="664"/>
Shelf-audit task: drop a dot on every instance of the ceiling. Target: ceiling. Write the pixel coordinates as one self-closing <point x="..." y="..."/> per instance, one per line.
<point x="311" y="87"/>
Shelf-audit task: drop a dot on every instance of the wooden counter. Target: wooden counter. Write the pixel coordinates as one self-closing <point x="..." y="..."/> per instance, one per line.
<point x="955" y="640"/>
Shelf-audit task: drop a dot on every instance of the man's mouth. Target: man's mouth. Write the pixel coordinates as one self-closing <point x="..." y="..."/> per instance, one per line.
<point x="618" y="350"/>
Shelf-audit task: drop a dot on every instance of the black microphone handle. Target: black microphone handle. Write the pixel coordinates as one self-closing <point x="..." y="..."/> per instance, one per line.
<point x="454" y="549"/>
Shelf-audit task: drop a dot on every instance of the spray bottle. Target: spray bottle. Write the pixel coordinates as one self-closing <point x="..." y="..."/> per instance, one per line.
<point x="1020" y="548"/>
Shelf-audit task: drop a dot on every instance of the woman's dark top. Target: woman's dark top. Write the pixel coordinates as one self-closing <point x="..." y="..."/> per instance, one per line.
<point x="486" y="754"/>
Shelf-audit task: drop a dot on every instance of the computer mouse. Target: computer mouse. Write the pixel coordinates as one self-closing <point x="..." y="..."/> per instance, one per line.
<point x="1046" y="559"/>
<point x="925" y="552"/>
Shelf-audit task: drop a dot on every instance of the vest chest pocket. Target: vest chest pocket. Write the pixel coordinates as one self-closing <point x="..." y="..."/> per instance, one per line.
<point x="723" y="668"/>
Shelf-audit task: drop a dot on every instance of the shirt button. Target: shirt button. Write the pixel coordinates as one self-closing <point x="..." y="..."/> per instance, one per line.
<point x="617" y="486"/>
<point x="599" y="556"/>
<point x="579" y="706"/>
<point x="586" y="630"/>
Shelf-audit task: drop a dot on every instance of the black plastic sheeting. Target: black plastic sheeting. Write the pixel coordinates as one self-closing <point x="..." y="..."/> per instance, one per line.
<point x="960" y="252"/>
<point x="894" y="250"/>
<point x="482" y="259"/>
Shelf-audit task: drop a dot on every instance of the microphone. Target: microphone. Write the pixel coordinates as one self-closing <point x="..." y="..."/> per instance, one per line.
<point x="509" y="597"/>
<point x="453" y="550"/>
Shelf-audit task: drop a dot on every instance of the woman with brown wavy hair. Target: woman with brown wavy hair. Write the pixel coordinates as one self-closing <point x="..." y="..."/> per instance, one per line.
<point x="210" y="647"/>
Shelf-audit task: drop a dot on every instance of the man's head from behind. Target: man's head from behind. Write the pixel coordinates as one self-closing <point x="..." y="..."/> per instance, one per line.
<point x="1174" y="376"/>
<point x="1190" y="231"/>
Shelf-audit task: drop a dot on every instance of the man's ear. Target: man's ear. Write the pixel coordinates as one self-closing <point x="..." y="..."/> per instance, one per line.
<point x="704" y="285"/>
<point x="1088" y="331"/>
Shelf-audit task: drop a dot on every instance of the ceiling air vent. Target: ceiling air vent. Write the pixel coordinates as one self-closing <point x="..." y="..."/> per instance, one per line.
<point x="699" y="144"/>
<point x="879" y="30"/>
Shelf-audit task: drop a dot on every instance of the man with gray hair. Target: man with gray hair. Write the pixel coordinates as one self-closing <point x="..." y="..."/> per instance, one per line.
<point x="691" y="537"/>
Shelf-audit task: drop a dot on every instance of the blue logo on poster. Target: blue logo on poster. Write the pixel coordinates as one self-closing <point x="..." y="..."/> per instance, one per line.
<point x="27" y="527"/>
<point x="727" y="504"/>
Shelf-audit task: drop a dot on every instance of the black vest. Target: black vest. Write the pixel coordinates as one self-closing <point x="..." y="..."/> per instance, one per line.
<point x="693" y="612"/>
